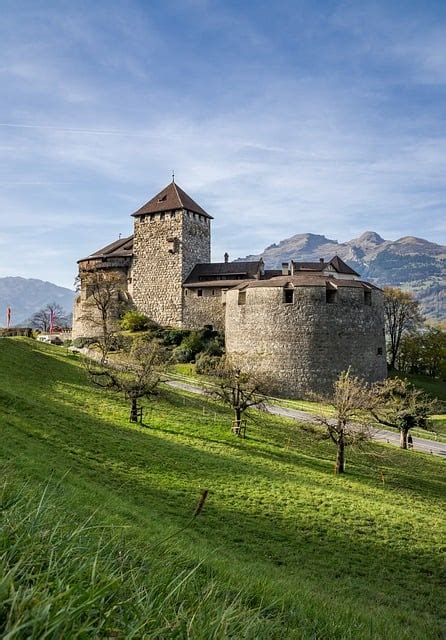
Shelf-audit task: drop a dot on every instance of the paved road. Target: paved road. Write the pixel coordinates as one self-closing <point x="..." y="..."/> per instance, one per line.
<point x="391" y="437"/>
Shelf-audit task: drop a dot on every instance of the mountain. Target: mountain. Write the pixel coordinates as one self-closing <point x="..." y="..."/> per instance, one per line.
<point x="25" y="296"/>
<point x="410" y="263"/>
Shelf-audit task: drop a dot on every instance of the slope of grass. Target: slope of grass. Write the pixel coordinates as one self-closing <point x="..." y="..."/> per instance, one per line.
<point x="309" y="554"/>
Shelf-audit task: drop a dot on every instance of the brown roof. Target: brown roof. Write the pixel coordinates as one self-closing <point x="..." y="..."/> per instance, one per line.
<point x="170" y="198"/>
<point x="306" y="280"/>
<point x="339" y="265"/>
<point x="214" y="284"/>
<point x="209" y="271"/>
<point x="342" y="267"/>
<point x="121" y="248"/>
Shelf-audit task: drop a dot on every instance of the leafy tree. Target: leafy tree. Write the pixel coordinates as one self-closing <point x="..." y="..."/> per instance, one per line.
<point x="399" y="404"/>
<point x="137" y="377"/>
<point x="239" y="390"/>
<point x="424" y="352"/>
<point x="41" y="320"/>
<point x="350" y="400"/>
<point x="401" y="314"/>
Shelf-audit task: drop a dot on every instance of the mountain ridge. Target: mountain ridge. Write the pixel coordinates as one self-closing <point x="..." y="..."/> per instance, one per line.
<point x="412" y="263"/>
<point x="25" y="296"/>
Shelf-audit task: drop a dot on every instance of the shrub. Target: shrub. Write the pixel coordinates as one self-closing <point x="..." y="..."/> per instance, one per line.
<point x="121" y="343"/>
<point x="206" y="364"/>
<point x="174" y="337"/>
<point x="80" y="343"/>
<point x="182" y="354"/>
<point x="135" y="321"/>
<point x="215" y="347"/>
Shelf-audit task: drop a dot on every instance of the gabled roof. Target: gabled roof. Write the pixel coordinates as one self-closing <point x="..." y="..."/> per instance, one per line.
<point x="170" y="198"/>
<point x="211" y="271"/>
<point x="121" y="248"/>
<point x="338" y="265"/>
<point x="342" y="267"/>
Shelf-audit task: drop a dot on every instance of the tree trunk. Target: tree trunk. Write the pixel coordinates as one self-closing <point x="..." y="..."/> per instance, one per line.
<point x="403" y="438"/>
<point x="340" y="456"/>
<point x="134" y="411"/>
<point x="238" y="421"/>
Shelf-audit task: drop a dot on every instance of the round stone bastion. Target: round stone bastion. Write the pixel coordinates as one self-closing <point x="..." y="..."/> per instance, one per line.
<point x="298" y="333"/>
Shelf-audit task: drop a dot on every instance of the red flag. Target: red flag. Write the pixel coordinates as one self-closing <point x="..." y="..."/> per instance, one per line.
<point x="8" y="316"/>
<point x="51" y="320"/>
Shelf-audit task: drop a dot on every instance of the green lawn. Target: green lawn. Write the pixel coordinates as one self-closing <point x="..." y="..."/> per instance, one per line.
<point x="304" y="554"/>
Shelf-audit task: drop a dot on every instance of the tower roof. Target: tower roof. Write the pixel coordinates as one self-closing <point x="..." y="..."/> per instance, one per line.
<point x="170" y="198"/>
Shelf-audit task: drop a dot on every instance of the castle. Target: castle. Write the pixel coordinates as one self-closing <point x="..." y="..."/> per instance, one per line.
<point x="300" y="325"/>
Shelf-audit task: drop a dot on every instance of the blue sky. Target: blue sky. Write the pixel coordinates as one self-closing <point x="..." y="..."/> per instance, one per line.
<point x="279" y="118"/>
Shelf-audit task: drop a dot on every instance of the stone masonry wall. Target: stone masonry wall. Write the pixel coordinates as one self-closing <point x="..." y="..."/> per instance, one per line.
<point x="199" y="311"/>
<point x="86" y="316"/>
<point x="166" y="248"/>
<point x="303" y="346"/>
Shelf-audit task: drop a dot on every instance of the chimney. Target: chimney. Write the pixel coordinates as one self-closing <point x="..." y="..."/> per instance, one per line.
<point x="321" y="260"/>
<point x="284" y="268"/>
<point x="226" y="257"/>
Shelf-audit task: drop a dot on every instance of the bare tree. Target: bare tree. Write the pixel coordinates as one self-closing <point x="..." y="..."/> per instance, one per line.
<point x="400" y="405"/>
<point x="137" y="377"/>
<point x="347" y="426"/>
<point x="401" y="313"/>
<point x="105" y="305"/>
<point x="239" y="390"/>
<point x="50" y="316"/>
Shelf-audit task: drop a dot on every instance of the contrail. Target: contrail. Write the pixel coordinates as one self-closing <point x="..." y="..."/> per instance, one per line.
<point x="100" y="132"/>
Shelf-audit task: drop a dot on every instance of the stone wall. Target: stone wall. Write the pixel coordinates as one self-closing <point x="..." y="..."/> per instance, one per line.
<point x="209" y="308"/>
<point x="302" y="347"/>
<point x="86" y="315"/>
<point x="166" y="247"/>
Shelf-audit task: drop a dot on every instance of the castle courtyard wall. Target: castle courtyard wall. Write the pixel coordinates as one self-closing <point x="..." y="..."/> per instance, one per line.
<point x="207" y="309"/>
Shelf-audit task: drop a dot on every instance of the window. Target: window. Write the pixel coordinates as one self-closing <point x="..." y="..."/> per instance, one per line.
<point x="368" y="298"/>
<point x="288" y="296"/>
<point x="163" y="198"/>
<point x="200" y="293"/>
<point x="162" y="215"/>
<point x="331" y="296"/>
<point x="379" y="351"/>
<point x="242" y="297"/>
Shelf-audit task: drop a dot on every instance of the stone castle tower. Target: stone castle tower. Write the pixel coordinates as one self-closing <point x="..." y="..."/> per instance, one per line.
<point x="172" y="234"/>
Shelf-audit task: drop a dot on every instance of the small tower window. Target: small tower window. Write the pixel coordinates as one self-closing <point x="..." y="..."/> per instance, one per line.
<point x="379" y="351"/>
<point x="200" y="293"/>
<point x="288" y="296"/>
<point x="242" y="297"/>
<point x="368" y="298"/>
<point x="331" y="296"/>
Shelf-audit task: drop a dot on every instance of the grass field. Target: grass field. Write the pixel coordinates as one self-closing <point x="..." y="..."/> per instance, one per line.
<point x="283" y="549"/>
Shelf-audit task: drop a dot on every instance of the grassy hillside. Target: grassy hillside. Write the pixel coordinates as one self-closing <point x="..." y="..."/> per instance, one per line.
<point x="302" y="553"/>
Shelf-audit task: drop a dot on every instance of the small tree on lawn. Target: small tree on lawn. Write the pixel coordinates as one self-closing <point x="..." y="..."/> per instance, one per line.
<point x="400" y="405"/>
<point x="239" y="390"/>
<point x="350" y="400"/>
<point x="138" y="377"/>
<point x="105" y="304"/>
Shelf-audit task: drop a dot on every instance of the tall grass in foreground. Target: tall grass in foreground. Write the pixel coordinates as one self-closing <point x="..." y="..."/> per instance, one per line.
<point x="62" y="579"/>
